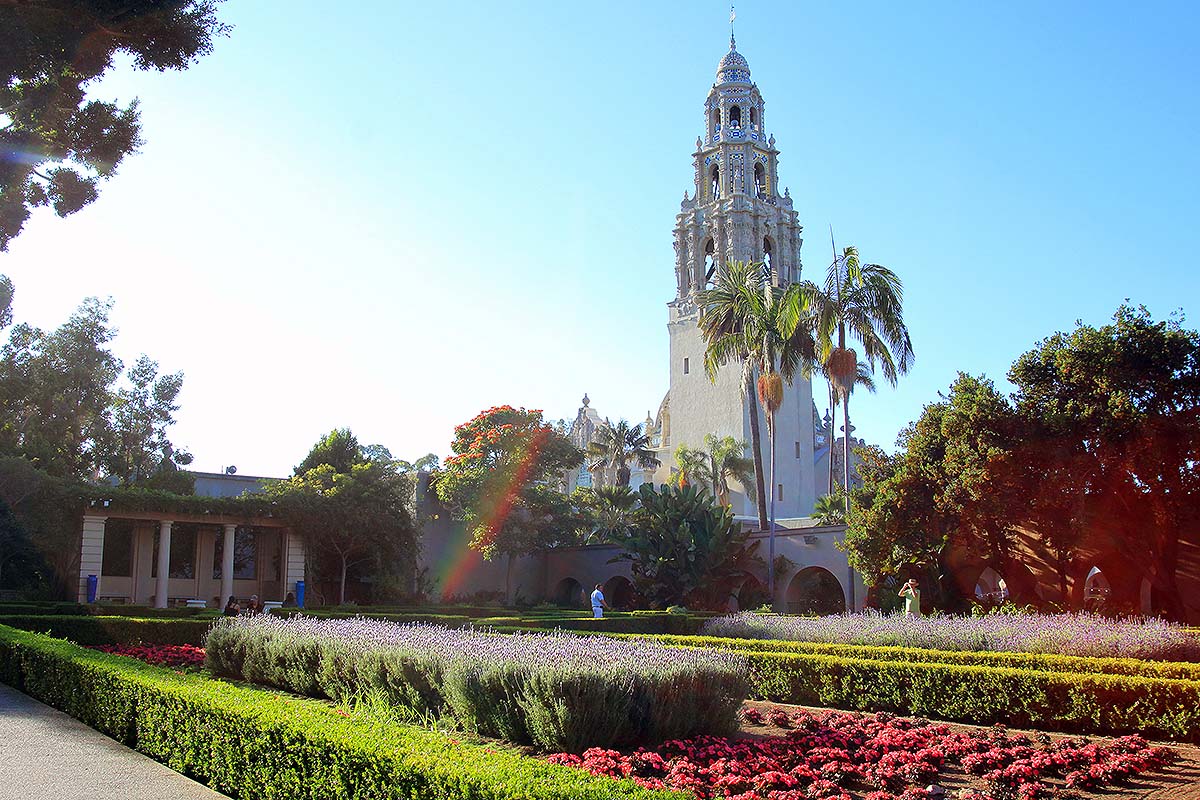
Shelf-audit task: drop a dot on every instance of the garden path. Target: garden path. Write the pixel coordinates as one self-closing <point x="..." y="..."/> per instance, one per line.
<point x="51" y="756"/>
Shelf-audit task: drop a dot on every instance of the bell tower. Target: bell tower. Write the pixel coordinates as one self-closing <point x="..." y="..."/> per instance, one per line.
<point x="735" y="212"/>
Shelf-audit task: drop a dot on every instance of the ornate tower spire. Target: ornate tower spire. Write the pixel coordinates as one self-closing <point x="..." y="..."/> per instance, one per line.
<point x="736" y="211"/>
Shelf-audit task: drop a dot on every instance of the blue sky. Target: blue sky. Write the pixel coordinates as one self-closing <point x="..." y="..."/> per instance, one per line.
<point x="393" y="216"/>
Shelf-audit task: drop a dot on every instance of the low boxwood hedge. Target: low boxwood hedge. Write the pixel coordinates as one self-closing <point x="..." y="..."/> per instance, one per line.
<point x="1047" y="662"/>
<point x="1063" y="701"/>
<point x="113" y="630"/>
<point x="41" y="607"/>
<point x="252" y="743"/>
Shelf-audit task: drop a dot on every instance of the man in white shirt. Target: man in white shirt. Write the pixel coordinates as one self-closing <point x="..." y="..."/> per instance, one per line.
<point x="598" y="603"/>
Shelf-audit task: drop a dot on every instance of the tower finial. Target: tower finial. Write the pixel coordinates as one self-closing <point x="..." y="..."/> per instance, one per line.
<point x="732" y="17"/>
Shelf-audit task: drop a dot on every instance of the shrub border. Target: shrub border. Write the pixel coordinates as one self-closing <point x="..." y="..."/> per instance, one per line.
<point x="252" y="743"/>
<point x="1061" y="701"/>
<point x="1046" y="662"/>
<point x="113" y="630"/>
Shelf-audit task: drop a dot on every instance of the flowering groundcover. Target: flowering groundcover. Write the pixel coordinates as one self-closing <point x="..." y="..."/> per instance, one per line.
<point x="880" y="757"/>
<point x="1066" y="634"/>
<point x="557" y="691"/>
<point x="163" y="655"/>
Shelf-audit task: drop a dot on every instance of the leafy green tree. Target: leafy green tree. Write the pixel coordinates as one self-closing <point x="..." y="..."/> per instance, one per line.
<point x="46" y="509"/>
<point x="339" y="449"/>
<point x="615" y="446"/>
<point x="500" y="482"/>
<point x="6" y="297"/>
<point x="138" y="446"/>
<point x="55" y="392"/>
<point x="685" y="548"/>
<point x="60" y="143"/>
<point x="1118" y="409"/>
<point x="354" y="516"/>
<point x="947" y="485"/>
<point x="863" y="303"/>
<point x="426" y="463"/>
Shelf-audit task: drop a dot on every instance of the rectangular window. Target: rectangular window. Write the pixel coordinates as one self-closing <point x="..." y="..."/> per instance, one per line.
<point x="118" y="548"/>
<point x="245" y="552"/>
<point x="685" y="366"/>
<point x="780" y="497"/>
<point x="797" y="449"/>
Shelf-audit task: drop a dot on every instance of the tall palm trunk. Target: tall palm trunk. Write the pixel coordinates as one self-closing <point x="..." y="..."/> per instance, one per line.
<point x="771" y="535"/>
<point x="755" y="443"/>
<point x="832" y="431"/>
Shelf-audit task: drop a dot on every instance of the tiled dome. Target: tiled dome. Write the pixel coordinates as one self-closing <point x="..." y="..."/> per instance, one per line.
<point x="733" y="67"/>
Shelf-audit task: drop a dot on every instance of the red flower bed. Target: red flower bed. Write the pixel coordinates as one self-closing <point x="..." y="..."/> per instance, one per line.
<point x="163" y="655"/>
<point x="880" y="756"/>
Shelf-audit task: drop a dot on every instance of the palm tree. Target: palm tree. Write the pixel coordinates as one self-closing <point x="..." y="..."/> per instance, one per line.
<point x="865" y="379"/>
<point x="722" y="459"/>
<point x="766" y="332"/>
<point x="863" y="302"/>
<point x="614" y="446"/>
<point x="722" y="324"/>
<point x="829" y="510"/>
<point x="692" y="466"/>
<point x="612" y="508"/>
<point x="727" y="459"/>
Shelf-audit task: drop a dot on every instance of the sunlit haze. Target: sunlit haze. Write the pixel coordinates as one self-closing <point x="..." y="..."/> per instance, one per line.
<point x="390" y="216"/>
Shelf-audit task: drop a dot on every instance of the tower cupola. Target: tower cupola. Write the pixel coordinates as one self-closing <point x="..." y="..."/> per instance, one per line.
<point x="733" y="67"/>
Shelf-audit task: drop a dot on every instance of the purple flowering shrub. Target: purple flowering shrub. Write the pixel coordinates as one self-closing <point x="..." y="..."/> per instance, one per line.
<point x="1065" y="634"/>
<point x="557" y="691"/>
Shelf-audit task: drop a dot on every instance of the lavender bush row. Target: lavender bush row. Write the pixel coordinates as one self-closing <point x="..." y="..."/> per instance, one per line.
<point x="1066" y="634"/>
<point x="557" y="691"/>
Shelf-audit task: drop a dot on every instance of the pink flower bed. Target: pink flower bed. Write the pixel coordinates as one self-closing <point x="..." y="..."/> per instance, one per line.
<point x="880" y="757"/>
<point x="162" y="655"/>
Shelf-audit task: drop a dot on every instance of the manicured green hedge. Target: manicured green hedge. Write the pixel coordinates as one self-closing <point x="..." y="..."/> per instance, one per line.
<point x="1184" y="670"/>
<point x="113" y="630"/>
<point x="1072" y="702"/>
<point x="41" y="607"/>
<point x="251" y="743"/>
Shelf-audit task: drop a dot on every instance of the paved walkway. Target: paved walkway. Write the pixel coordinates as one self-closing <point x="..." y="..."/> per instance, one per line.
<point x="50" y="756"/>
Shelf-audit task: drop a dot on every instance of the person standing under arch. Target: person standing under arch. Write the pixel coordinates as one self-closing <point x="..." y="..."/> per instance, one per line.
<point x="598" y="603"/>
<point x="912" y="598"/>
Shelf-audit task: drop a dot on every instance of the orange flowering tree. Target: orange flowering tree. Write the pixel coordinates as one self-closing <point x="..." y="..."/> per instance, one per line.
<point x="503" y="482"/>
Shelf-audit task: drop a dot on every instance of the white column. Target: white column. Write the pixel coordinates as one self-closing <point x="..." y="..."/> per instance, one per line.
<point x="91" y="551"/>
<point x="227" y="562"/>
<point x="164" y="564"/>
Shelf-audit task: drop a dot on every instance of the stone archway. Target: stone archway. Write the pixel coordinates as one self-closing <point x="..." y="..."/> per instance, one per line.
<point x="752" y="594"/>
<point x="568" y="593"/>
<point x="990" y="587"/>
<point x="815" y="590"/>
<point x="618" y="592"/>
<point x="1096" y="590"/>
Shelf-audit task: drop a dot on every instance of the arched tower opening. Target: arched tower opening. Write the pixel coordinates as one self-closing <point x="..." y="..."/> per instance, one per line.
<point x="767" y="253"/>
<point x="714" y="183"/>
<point x="735" y="117"/>
<point x="760" y="180"/>
<point x="753" y="119"/>
<point x="710" y="262"/>
<point x="715" y="124"/>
